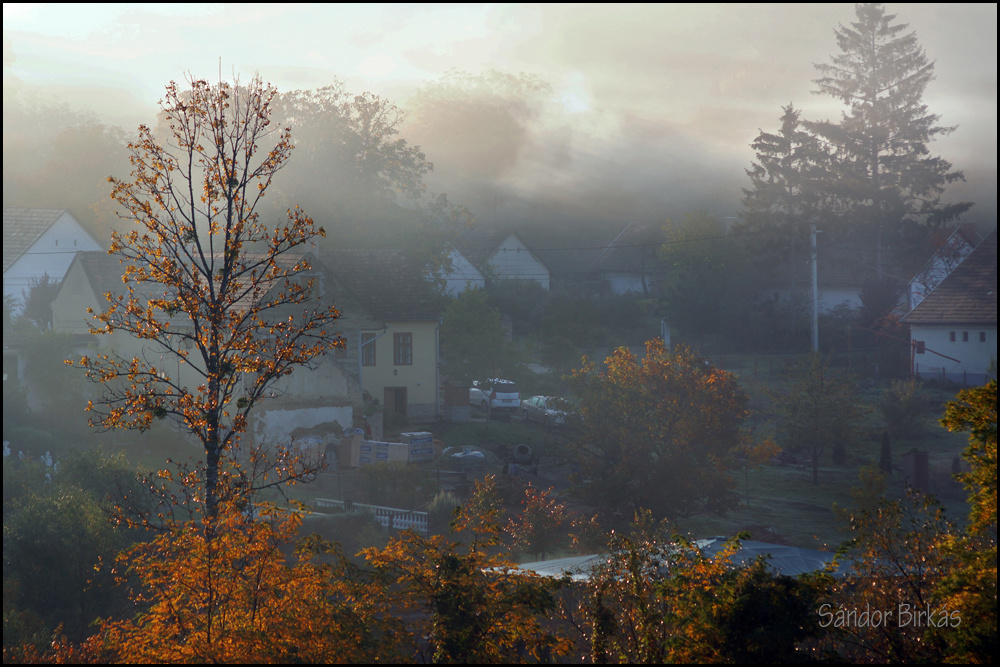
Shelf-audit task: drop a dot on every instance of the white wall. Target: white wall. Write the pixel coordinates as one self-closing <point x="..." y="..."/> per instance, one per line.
<point x="50" y="255"/>
<point x="513" y="260"/>
<point x="276" y="426"/>
<point x="462" y="275"/>
<point x="973" y="355"/>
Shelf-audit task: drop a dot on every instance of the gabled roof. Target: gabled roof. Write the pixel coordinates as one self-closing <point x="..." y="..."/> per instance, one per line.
<point x="23" y="226"/>
<point x="635" y="247"/>
<point x="968" y="295"/>
<point x="105" y="271"/>
<point x="386" y="283"/>
<point x="479" y="243"/>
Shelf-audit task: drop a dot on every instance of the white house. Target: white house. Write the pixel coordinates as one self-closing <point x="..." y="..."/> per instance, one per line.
<point x="39" y="242"/>
<point x="630" y="264"/>
<point x="952" y="251"/>
<point x="953" y="330"/>
<point x="503" y="255"/>
<point x="463" y="274"/>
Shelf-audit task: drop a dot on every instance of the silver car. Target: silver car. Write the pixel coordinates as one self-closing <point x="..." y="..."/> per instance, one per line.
<point x="547" y="410"/>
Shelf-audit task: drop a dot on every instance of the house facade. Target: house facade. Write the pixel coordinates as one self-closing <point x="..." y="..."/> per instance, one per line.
<point x="630" y="263"/>
<point x="308" y="398"/>
<point x="39" y="242"/>
<point x="953" y="330"/>
<point x="461" y="276"/>
<point x="502" y="255"/>
<point x="390" y="320"/>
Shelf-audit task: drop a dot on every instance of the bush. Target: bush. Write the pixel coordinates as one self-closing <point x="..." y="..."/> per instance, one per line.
<point x="441" y="510"/>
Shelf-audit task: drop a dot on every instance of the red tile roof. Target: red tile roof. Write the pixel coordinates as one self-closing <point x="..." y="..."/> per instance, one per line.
<point x="968" y="295"/>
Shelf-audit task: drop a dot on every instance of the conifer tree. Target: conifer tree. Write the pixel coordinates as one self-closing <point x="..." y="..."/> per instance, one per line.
<point x="784" y="193"/>
<point x="883" y="174"/>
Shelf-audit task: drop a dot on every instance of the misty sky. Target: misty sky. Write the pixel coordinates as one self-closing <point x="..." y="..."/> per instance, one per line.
<point x="653" y="106"/>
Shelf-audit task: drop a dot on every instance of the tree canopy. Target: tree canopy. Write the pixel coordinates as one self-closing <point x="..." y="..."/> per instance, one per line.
<point x="207" y="282"/>
<point x="658" y="432"/>
<point x="473" y="345"/>
<point x="882" y="173"/>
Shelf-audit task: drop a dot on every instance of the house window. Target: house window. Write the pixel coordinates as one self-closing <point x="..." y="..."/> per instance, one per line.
<point x="965" y="336"/>
<point x="402" y="349"/>
<point x="982" y="336"/>
<point x="367" y="349"/>
<point x="951" y="336"/>
<point x="919" y="344"/>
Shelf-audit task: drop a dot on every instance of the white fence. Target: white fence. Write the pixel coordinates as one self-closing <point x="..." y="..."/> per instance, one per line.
<point x="393" y="517"/>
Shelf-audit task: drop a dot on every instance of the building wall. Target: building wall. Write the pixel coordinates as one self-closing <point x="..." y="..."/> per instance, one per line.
<point x="974" y="356"/>
<point x="69" y="309"/>
<point x="419" y="378"/>
<point x="332" y="384"/>
<point x="50" y="255"/>
<point x="462" y="275"/>
<point x="513" y="259"/>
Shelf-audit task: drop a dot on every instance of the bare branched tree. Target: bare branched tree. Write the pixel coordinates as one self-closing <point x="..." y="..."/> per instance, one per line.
<point x="206" y="282"/>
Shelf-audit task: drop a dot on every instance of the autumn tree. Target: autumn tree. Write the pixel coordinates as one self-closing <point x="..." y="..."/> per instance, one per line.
<point x="535" y="527"/>
<point x="206" y="281"/>
<point x="894" y="562"/>
<point x="658" y="433"/>
<point x="474" y="605"/>
<point x="975" y="411"/>
<point x="882" y="171"/>
<point x="750" y="454"/>
<point x="232" y="593"/>
<point x="658" y="599"/>
<point x="970" y="588"/>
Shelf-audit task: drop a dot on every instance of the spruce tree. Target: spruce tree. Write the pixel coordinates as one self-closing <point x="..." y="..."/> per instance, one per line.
<point x="784" y="194"/>
<point x="883" y="173"/>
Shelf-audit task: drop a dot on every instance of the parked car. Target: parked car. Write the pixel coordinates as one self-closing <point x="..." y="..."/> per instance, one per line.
<point x="496" y="395"/>
<point x="547" y="410"/>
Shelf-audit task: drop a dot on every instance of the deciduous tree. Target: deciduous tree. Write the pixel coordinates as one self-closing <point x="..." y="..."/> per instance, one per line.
<point x="475" y="606"/>
<point x="975" y="411"/>
<point x="658" y="433"/>
<point x="751" y="454"/>
<point x="206" y="281"/>
<point x="473" y="346"/>
<point x="535" y="528"/>
<point x="819" y="413"/>
<point x="708" y="283"/>
<point x="229" y="593"/>
<point x="971" y="588"/>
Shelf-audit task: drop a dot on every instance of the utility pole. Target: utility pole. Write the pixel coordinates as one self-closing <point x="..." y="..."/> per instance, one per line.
<point x="815" y="285"/>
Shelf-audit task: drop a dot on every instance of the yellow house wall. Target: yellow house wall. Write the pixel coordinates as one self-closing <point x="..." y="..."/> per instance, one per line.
<point x="420" y="378"/>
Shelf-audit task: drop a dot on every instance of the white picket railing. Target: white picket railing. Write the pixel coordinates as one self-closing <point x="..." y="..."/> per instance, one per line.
<point x="398" y="519"/>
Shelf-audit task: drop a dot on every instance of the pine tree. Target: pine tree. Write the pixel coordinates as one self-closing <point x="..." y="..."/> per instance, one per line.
<point x="784" y="193"/>
<point x="883" y="173"/>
